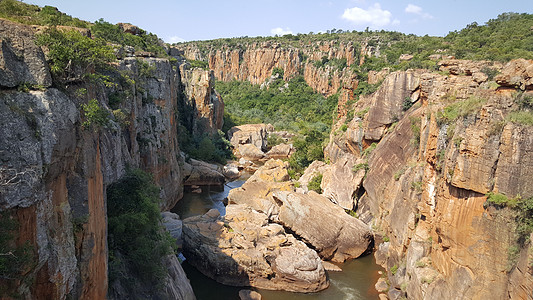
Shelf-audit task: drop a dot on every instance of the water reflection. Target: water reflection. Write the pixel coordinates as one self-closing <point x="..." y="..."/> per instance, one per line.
<point x="194" y="204"/>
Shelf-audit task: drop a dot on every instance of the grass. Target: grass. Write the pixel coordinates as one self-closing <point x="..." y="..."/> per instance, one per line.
<point x="394" y="269"/>
<point x="521" y="117"/>
<point x="314" y="184"/>
<point x="460" y="109"/>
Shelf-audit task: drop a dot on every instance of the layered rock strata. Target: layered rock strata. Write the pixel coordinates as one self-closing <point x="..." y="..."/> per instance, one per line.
<point x="429" y="173"/>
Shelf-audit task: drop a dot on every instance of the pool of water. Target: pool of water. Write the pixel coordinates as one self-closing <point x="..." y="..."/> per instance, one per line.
<point x="355" y="282"/>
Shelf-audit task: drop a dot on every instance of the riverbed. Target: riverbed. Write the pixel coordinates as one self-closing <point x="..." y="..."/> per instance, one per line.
<point x="355" y="282"/>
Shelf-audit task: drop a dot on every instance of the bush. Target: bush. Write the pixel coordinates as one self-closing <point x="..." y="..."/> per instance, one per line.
<point x="314" y="184"/>
<point x="72" y="55"/>
<point x="199" y="64"/>
<point x="134" y="231"/>
<point x="15" y="260"/>
<point x="96" y="116"/>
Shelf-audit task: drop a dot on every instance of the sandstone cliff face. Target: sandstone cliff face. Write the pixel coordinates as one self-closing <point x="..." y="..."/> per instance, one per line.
<point x="427" y="179"/>
<point x="255" y="62"/>
<point x="54" y="171"/>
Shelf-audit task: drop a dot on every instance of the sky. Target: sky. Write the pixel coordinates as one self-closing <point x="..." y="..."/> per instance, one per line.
<point x="189" y="20"/>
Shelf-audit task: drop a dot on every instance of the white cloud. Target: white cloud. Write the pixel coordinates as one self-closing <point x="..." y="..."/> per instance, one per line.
<point x="174" y="39"/>
<point x="373" y="16"/>
<point x="417" y="10"/>
<point x="280" y="31"/>
<point x="413" y="9"/>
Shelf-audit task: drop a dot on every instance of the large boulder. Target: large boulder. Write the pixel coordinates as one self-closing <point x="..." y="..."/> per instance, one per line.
<point x="243" y="249"/>
<point x="255" y="134"/>
<point x="517" y="73"/>
<point x="249" y="152"/>
<point x="334" y="234"/>
<point x="201" y="173"/>
<point x="342" y="180"/>
<point x="173" y="225"/>
<point x="257" y="191"/>
<point x="281" y="151"/>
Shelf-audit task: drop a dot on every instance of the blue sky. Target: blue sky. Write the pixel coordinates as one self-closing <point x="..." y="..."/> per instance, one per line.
<point x="179" y="20"/>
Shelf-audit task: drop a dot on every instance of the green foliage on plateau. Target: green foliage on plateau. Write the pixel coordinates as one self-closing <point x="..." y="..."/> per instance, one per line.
<point x="73" y="56"/>
<point x="136" y="239"/>
<point x="314" y="184"/>
<point x="198" y="64"/>
<point x="21" y="12"/>
<point x="507" y="37"/>
<point x="143" y="42"/>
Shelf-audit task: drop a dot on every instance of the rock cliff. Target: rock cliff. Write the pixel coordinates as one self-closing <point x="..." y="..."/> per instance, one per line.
<point x="55" y="166"/>
<point x="433" y="145"/>
<point x="255" y="62"/>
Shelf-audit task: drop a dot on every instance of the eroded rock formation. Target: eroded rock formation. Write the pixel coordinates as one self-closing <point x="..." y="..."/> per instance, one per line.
<point x="55" y="166"/>
<point x="429" y="173"/>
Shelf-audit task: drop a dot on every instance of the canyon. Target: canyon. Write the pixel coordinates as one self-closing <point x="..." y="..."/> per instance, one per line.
<point x="409" y="171"/>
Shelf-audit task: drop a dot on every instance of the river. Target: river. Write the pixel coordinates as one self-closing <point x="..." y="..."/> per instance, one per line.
<point x="355" y="282"/>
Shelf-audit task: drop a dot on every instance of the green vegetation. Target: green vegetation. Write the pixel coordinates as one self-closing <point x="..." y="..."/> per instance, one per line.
<point x="72" y="55"/>
<point x="386" y="239"/>
<point x="523" y="209"/>
<point x="274" y="140"/>
<point x="213" y="148"/>
<point x="351" y="213"/>
<point x="521" y="117"/>
<point x="199" y="64"/>
<point x="96" y="116"/>
<point x="460" y="109"/>
<point x="296" y="108"/>
<point x="394" y="269"/>
<point x="314" y="184"/>
<point x="20" y="12"/>
<point x="369" y="150"/>
<point x="361" y="166"/>
<point x="136" y="240"/>
<point x="15" y="260"/>
<point x="142" y="42"/>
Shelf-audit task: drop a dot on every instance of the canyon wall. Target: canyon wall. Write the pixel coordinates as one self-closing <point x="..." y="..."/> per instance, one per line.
<point x="255" y="62"/>
<point x="430" y="168"/>
<point x="55" y="165"/>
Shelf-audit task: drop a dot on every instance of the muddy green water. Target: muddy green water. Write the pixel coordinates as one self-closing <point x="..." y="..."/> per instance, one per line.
<point x="355" y="282"/>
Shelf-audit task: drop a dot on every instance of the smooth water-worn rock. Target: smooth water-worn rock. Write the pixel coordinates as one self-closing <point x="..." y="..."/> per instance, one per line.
<point x="198" y="173"/>
<point x="244" y="249"/>
<point x="334" y="234"/>
<point x="253" y="134"/>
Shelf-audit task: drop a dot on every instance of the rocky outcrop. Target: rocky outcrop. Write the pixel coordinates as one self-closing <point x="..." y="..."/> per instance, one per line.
<point x="255" y="62"/>
<point x="54" y="171"/>
<point x="335" y="235"/>
<point x="253" y="134"/>
<point x="244" y="249"/>
<point x="197" y="172"/>
<point x="21" y="61"/>
<point x="281" y="151"/>
<point x="517" y="74"/>
<point x="202" y="100"/>
<point x="428" y="176"/>
<point x="339" y="238"/>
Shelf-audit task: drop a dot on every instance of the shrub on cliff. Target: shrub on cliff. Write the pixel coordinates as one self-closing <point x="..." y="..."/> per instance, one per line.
<point x="73" y="56"/>
<point x="136" y="240"/>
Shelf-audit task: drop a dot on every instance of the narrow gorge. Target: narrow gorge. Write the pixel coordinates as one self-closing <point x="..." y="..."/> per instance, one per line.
<point x="418" y="158"/>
